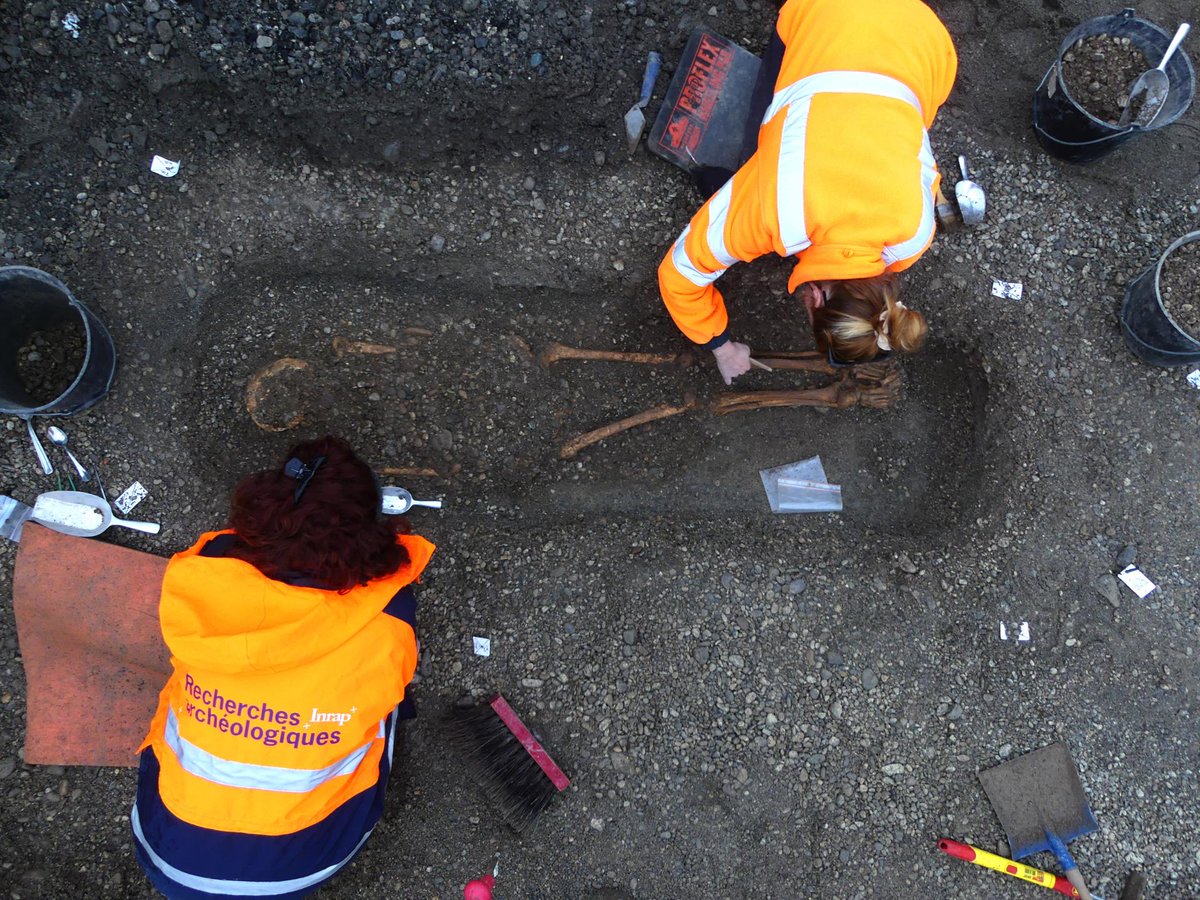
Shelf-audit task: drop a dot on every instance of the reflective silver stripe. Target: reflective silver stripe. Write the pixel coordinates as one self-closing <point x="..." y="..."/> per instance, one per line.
<point x="718" y="214"/>
<point x="391" y="734"/>
<point x="843" y="83"/>
<point x="685" y="267"/>
<point x="212" y="768"/>
<point x="789" y="187"/>
<point x="914" y="245"/>
<point x="789" y="192"/>
<point x="230" y="886"/>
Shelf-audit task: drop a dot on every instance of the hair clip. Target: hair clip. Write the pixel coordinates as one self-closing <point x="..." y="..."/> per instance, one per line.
<point x="294" y="468"/>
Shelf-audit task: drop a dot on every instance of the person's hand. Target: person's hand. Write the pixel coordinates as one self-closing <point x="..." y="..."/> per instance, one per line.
<point x="733" y="359"/>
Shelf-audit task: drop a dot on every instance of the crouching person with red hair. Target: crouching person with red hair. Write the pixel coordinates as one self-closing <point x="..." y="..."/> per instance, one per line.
<point x="292" y="644"/>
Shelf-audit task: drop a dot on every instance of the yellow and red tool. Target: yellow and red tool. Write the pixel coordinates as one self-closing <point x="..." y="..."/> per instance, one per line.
<point x="1007" y="866"/>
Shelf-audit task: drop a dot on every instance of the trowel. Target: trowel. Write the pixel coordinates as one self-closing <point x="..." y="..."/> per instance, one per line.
<point x="971" y="200"/>
<point x="635" y="119"/>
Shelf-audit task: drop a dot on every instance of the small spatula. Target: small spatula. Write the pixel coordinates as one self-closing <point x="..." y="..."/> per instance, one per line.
<point x="635" y="119"/>
<point x="1151" y="87"/>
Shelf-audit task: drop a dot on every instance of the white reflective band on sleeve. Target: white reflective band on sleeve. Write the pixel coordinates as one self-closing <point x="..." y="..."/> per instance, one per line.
<point x="789" y="188"/>
<point x="718" y="214"/>
<point x="212" y="768"/>
<point x="229" y="886"/>
<point x="685" y="267"/>
<point x="915" y="244"/>
<point x="843" y="83"/>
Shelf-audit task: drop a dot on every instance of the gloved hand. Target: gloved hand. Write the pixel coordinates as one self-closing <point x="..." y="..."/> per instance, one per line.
<point x="733" y="359"/>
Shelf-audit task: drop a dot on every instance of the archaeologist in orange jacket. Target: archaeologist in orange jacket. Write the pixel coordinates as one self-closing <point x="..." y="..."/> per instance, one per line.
<point x="292" y="642"/>
<point x="841" y="177"/>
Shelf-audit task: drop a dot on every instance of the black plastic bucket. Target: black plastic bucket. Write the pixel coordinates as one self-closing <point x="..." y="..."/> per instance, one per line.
<point x="33" y="301"/>
<point x="1149" y="330"/>
<point x="1066" y="130"/>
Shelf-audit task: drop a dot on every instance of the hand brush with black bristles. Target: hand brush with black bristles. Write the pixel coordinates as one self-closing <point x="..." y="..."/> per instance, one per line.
<point x="513" y="769"/>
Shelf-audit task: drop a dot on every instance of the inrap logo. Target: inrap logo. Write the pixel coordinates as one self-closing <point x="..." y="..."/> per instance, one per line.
<point x="340" y="717"/>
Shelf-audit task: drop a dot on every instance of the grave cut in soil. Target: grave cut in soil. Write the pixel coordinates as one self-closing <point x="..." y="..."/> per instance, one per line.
<point x="1098" y="71"/>
<point x="50" y="360"/>
<point x="1179" y="287"/>
<point x="469" y="398"/>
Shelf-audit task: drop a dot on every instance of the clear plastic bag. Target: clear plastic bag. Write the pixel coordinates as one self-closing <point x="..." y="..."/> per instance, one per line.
<point x="801" y="487"/>
<point x="13" y="515"/>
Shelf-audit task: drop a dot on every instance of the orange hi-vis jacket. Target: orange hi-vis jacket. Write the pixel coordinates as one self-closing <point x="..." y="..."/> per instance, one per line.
<point x="843" y="177"/>
<point x="274" y="714"/>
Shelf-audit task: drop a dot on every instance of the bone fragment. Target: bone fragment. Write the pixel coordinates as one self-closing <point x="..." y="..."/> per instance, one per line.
<point x="665" y="411"/>
<point x="342" y="346"/>
<point x="257" y="386"/>
<point x="557" y="351"/>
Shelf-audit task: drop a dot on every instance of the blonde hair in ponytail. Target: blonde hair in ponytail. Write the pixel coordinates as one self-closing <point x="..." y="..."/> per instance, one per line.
<point x="864" y="316"/>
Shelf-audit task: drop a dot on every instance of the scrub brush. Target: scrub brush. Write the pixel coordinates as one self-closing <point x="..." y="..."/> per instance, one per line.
<point x="513" y="769"/>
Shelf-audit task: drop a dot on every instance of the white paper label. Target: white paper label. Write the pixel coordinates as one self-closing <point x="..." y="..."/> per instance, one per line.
<point x="167" y="168"/>
<point x="1010" y="290"/>
<point x="1194" y="379"/>
<point x="483" y="646"/>
<point x="1137" y="582"/>
<point x="70" y="24"/>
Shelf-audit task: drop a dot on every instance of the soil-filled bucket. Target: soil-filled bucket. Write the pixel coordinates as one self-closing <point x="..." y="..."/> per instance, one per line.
<point x="1067" y="130"/>
<point x="1150" y="331"/>
<point x="56" y="357"/>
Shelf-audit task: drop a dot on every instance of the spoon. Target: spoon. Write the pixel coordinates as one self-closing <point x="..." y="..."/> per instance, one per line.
<point x="39" y="450"/>
<point x="1152" y="87"/>
<point x="396" y="501"/>
<point x="58" y="437"/>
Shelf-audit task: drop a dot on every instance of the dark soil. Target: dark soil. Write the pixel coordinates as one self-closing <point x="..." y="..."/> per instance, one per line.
<point x="50" y="360"/>
<point x="1098" y="71"/>
<point x="1179" y="286"/>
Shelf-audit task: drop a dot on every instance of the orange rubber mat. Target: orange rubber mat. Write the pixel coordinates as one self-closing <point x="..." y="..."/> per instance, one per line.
<point x="87" y="622"/>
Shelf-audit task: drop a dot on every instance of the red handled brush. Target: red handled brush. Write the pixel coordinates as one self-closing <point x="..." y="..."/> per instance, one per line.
<point x="514" y="770"/>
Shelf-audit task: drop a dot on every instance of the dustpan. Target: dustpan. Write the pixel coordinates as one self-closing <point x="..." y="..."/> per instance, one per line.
<point x="1036" y="793"/>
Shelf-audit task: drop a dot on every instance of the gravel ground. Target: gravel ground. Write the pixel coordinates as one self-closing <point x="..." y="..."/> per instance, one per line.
<point x="747" y="705"/>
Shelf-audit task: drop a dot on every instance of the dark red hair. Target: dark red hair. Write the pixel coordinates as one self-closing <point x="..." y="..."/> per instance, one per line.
<point x="334" y="535"/>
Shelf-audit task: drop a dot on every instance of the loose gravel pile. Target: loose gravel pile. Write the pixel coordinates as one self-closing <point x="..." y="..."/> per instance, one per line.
<point x="1099" y="71"/>
<point x="1179" y="287"/>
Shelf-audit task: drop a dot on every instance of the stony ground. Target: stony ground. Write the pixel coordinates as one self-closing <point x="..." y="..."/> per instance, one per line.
<point x="748" y="705"/>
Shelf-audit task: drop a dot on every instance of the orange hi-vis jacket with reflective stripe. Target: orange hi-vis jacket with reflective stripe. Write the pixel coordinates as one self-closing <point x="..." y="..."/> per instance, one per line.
<point x="843" y="177"/>
<point x="273" y="716"/>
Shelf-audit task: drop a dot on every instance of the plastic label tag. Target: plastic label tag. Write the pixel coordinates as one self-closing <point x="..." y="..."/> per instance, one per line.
<point x="1194" y="379"/>
<point x="1137" y="582"/>
<point x="1022" y="635"/>
<point x="482" y="646"/>
<point x="167" y="168"/>
<point x="1009" y="290"/>
<point x="131" y="497"/>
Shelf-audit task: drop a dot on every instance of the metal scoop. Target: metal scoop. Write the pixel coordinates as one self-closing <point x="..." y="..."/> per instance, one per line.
<point x="397" y="501"/>
<point x="48" y="514"/>
<point x="1152" y="87"/>
<point x="971" y="200"/>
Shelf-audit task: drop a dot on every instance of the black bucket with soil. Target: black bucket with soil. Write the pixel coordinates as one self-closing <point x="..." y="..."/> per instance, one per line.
<point x="1161" y="313"/>
<point x="1078" y="105"/>
<point x="56" y="357"/>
